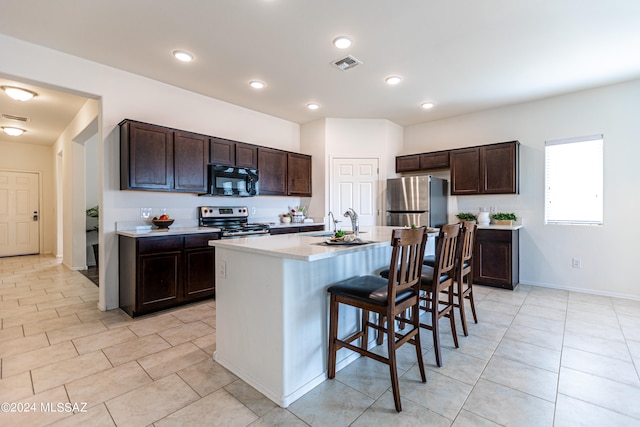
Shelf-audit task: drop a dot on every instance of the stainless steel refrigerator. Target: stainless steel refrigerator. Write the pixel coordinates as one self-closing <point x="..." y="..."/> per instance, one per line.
<point x="419" y="200"/>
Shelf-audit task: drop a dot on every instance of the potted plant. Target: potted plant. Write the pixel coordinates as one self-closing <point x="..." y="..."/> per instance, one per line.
<point x="467" y="216"/>
<point x="502" y="218"/>
<point x="94" y="212"/>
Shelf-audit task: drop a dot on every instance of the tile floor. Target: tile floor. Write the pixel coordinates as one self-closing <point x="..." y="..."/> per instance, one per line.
<point x="538" y="357"/>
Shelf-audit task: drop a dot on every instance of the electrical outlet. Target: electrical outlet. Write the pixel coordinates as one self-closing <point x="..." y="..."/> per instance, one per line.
<point x="145" y="213"/>
<point x="221" y="269"/>
<point x="253" y="210"/>
<point x="576" y="263"/>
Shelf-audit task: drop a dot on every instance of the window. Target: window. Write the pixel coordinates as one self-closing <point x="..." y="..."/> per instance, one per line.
<point x="574" y="181"/>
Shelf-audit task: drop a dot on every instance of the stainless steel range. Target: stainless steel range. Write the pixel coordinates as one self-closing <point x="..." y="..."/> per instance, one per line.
<point x="232" y="220"/>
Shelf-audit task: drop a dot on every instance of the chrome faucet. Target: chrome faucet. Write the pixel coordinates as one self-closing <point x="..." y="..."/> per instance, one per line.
<point x="353" y="216"/>
<point x="335" y="222"/>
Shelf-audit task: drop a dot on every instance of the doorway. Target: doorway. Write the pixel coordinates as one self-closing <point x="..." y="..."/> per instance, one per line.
<point x="355" y="185"/>
<point x="19" y="213"/>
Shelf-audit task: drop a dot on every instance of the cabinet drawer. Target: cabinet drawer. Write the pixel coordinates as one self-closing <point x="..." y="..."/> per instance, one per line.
<point x="502" y="236"/>
<point x="159" y="244"/>
<point x="199" y="240"/>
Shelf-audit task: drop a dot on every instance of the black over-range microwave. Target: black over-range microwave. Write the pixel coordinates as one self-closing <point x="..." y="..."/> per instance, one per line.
<point x="232" y="181"/>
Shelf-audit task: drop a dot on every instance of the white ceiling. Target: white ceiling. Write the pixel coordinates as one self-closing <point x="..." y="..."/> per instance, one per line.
<point x="464" y="55"/>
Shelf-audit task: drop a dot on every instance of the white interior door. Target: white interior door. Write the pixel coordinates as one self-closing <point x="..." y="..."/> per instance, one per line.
<point x="19" y="213"/>
<point x="355" y="185"/>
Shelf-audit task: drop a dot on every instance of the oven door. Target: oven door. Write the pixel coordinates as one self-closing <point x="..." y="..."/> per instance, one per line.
<point x="231" y="181"/>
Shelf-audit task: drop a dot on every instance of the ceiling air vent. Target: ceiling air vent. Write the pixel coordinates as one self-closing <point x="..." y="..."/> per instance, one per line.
<point x="16" y="118"/>
<point x="346" y="63"/>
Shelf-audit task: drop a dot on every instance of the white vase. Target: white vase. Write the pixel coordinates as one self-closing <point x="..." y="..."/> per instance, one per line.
<point x="483" y="218"/>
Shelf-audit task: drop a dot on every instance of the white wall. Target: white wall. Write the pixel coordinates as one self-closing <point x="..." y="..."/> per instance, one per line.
<point x="124" y="95"/>
<point x="20" y="157"/>
<point x="352" y="138"/>
<point x="607" y="252"/>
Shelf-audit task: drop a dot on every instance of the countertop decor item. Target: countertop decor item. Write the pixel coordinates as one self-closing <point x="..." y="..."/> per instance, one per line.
<point x="298" y="214"/>
<point x="502" y="218"/>
<point x="162" y="223"/>
<point x="467" y="216"/>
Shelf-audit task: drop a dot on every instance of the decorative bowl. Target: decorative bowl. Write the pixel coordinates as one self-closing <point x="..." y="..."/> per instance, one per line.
<point x="162" y="223"/>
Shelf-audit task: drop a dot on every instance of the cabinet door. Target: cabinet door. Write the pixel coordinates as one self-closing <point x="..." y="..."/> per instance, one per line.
<point x="146" y="157"/>
<point x="465" y="171"/>
<point x="191" y="155"/>
<point x="222" y="152"/>
<point x="500" y="168"/>
<point x="433" y="161"/>
<point x="495" y="260"/>
<point x="246" y="155"/>
<point x="272" y="167"/>
<point x="199" y="273"/>
<point x="298" y="175"/>
<point x="159" y="281"/>
<point x="409" y="163"/>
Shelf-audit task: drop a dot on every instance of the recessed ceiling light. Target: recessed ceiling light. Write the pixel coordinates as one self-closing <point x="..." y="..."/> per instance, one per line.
<point x="393" y="80"/>
<point x="182" y="55"/>
<point x="313" y="106"/>
<point x="342" y="42"/>
<point x="427" y="105"/>
<point x="13" y="131"/>
<point x="256" y="84"/>
<point x="19" y="94"/>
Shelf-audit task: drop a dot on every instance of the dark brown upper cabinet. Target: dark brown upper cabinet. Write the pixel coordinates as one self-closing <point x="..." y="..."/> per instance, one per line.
<point x="434" y="161"/>
<point x="465" y="171"/>
<point x="246" y="155"/>
<point x="162" y="159"/>
<point x="146" y="157"/>
<point x="272" y="167"/>
<point x="231" y="153"/>
<point x="222" y="152"/>
<point x="158" y="158"/>
<point x="500" y="168"/>
<point x="488" y="169"/>
<point x="410" y="163"/>
<point x="298" y="175"/>
<point x="191" y="155"/>
<point x="423" y="162"/>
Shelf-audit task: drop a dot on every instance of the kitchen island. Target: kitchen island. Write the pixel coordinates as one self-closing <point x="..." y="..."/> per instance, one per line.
<point x="272" y="306"/>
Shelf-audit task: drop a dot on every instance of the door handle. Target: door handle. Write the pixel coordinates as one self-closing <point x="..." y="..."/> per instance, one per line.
<point x="35" y="215"/>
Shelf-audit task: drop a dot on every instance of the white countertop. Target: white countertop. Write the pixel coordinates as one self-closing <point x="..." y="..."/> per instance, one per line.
<point x="500" y="227"/>
<point x="143" y="231"/>
<point x="296" y="224"/>
<point x="306" y="246"/>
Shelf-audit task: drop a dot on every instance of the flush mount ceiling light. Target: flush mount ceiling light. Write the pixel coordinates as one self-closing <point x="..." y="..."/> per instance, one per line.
<point x="393" y="80"/>
<point x="427" y="105"/>
<point x="342" y="42"/>
<point x="19" y="94"/>
<point x="13" y="131"/>
<point x="256" y="84"/>
<point x="182" y="55"/>
<point x="313" y="106"/>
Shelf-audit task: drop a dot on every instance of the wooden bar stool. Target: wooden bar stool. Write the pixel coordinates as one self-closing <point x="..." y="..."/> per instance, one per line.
<point x="388" y="298"/>
<point x="437" y="284"/>
<point x="464" y="289"/>
<point x="464" y="270"/>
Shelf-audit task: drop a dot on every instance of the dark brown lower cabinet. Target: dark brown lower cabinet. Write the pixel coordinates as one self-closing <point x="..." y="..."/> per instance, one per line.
<point x="161" y="272"/>
<point x="496" y="257"/>
<point x="290" y="230"/>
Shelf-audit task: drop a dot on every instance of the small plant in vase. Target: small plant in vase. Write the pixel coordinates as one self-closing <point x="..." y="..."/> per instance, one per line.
<point x="502" y="218"/>
<point x="298" y="213"/>
<point x="467" y="216"/>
